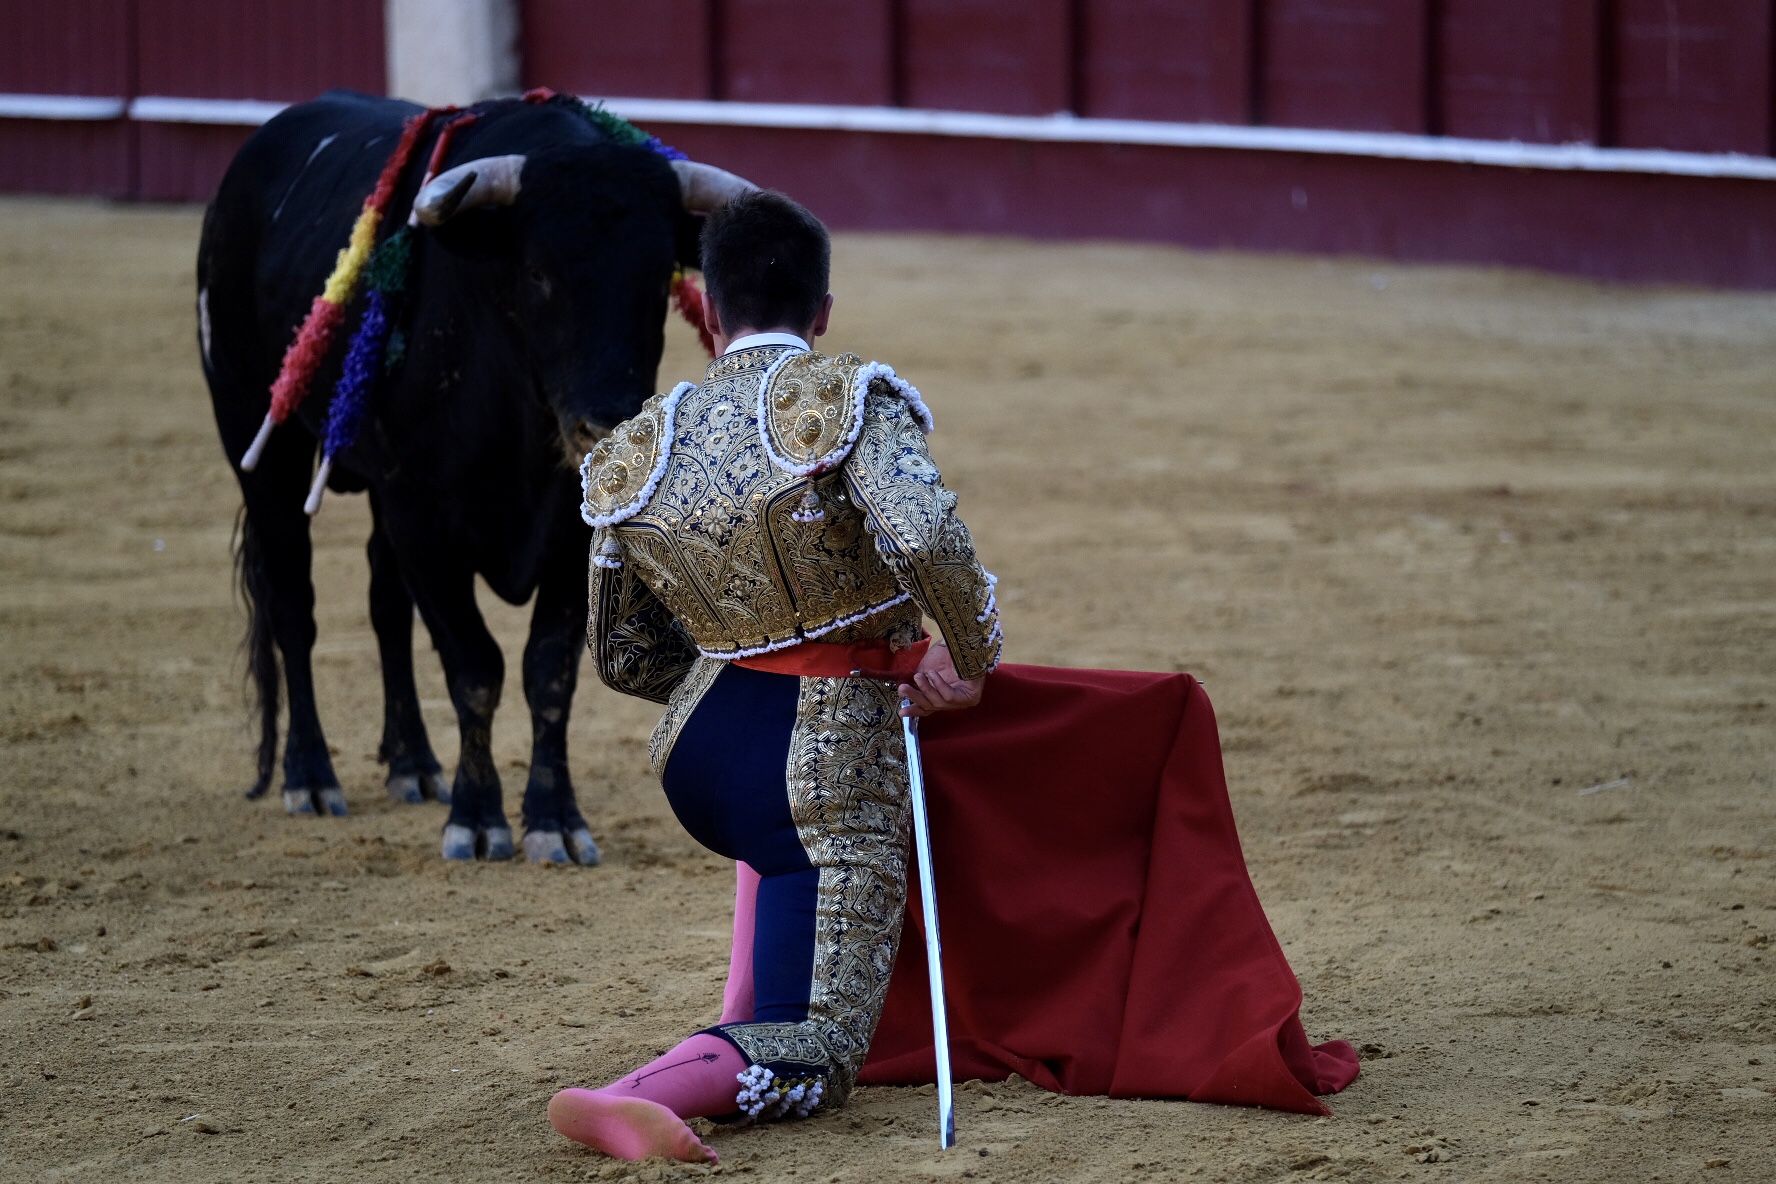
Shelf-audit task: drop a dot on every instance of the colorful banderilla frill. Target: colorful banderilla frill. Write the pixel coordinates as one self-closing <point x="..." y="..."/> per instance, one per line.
<point x="365" y="357"/>
<point x="327" y="313"/>
<point x="687" y="297"/>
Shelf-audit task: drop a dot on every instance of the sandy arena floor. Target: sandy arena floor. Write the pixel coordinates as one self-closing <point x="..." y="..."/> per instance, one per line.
<point x="1479" y="567"/>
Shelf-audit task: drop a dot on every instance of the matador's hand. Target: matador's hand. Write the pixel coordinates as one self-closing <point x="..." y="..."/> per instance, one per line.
<point x="935" y="686"/>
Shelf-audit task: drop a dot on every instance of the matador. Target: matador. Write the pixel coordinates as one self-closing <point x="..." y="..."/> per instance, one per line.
<point x="767" y="547"/>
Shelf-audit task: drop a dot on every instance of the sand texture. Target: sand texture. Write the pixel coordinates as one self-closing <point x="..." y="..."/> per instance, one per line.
<point x="1479" y="568"/>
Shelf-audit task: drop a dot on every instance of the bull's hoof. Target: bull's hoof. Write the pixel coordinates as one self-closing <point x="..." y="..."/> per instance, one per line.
<point x="415" y="788"/>
<point x="459" y="842"/>
<point x="497" y="843"/>
<point x="585" y="850"/>
<point x="404" y="788"/>
<point x="327" y="799"/>
<point x="545" y="846"/>
<point x="464" y="843"/>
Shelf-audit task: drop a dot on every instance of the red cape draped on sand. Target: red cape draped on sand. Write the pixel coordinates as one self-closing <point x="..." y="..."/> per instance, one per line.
<point x="1101" y="934"/>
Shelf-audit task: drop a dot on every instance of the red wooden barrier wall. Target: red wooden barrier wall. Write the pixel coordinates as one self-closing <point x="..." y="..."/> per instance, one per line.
<point x="1690" y="75"/>
<point x="1693" y="75"/>
<point x="232" y="49"/>
<point x="1357" y="64"/>
<point x="661" y="48"/>
<point x="782" y="51"/>
<point x="1680" y="74"/>
<point x="1520" y="70"/>
<point x="1152" y="59"/>
<point x="242" y="50"/>
<point x="78" y="47"/>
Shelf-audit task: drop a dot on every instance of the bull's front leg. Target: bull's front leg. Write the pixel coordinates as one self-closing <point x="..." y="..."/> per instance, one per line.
<point x="554" y="829"/>
<point x="474" y="670"/>
<point x="413" y="771"/>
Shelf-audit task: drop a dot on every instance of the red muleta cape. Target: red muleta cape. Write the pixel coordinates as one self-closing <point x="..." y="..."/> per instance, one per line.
<point x="1101" y="934"/>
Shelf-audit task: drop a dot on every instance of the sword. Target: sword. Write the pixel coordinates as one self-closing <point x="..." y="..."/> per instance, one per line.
<point x="940" y="1027"/>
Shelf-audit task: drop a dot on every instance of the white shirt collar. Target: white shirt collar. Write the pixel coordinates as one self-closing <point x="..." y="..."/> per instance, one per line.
<point x="754" y="340"/>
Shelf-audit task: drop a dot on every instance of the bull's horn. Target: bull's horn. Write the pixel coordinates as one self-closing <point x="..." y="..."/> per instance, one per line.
<point x="705" y="187"/>
<point x="491" y="181"/>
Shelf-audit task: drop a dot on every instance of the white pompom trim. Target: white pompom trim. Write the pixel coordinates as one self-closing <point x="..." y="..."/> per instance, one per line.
<point x="669" y="414"/>
<point x="807" y="635"/>
<point x="764" y="1095"/>
<point x="902" y="387"/>
<point x="992" y="598"/>
<point x="860" y="385"/>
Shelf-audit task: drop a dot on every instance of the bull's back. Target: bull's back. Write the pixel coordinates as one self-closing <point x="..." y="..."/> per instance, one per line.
<point x="312" y="162"/>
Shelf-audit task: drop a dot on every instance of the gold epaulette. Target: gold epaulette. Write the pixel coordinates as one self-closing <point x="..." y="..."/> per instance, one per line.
<point x="811" y="407"/>
<point x="621" y="472"/>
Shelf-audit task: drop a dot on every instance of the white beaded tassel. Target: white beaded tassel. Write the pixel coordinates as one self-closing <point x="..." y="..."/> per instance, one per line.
<point x="609" y="553"/>
<point x="809" y="511"/>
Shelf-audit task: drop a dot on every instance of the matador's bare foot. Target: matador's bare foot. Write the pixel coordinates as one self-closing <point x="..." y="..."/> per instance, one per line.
<point x="626" y="1128"/>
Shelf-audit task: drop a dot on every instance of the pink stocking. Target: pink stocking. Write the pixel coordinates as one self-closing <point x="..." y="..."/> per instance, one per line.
<point x="737" y="997"/>
<point x="642" y="1113"/>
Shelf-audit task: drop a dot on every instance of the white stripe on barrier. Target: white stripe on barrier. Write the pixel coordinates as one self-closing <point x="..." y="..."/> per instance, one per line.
<point x="1073" y="129"/>
<point x="230" y="112"/>
<point x="1060" y="128"/>
<point x="76" y="107"/>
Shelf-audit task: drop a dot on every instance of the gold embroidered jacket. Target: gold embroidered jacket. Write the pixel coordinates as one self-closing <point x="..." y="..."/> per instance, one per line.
<point x="790" y="497"/>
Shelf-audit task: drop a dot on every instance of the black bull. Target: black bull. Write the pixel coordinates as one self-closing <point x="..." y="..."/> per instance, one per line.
<point x="530" y="323"/>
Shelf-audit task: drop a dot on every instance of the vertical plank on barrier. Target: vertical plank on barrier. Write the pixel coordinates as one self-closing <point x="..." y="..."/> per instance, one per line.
<point x="1354" y="64"/>
<point x="841" y="52"/>
<point x="660" y="49"/>
<point x="1153" y="59"/>
<point x="1519" y="69"/>
<point x="1692" y="75"/>
<point x="983" y="55"/>
<point x="77" y="48"/>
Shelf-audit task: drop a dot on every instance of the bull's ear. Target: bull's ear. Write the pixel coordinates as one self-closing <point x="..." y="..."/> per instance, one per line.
<point x="688" y="230"/>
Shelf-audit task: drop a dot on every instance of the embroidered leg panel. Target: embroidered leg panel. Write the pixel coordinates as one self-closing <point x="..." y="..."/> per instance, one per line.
<point x="848" y="798"/>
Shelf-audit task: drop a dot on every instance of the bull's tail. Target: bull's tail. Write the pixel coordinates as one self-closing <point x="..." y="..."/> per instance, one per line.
<point x="258" y="646"/>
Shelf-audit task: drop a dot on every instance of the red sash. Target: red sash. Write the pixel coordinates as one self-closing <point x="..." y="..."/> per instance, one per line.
<point x="825" y="659"/>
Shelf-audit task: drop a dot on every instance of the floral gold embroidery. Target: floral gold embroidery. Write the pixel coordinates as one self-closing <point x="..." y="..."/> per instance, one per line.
<point x="637" y="647"/>
<point x="755" y="541"/>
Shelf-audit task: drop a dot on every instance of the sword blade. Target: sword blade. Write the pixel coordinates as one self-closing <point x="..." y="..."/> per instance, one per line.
<point x="940" y="1026"/>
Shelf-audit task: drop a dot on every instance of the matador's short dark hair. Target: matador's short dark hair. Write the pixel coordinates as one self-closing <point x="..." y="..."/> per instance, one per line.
<point x="766" y="260"/>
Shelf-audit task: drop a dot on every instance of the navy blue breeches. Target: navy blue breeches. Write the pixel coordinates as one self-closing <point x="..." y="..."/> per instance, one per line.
<point x="725" y="780"/>
<point x="804" y="779"/>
